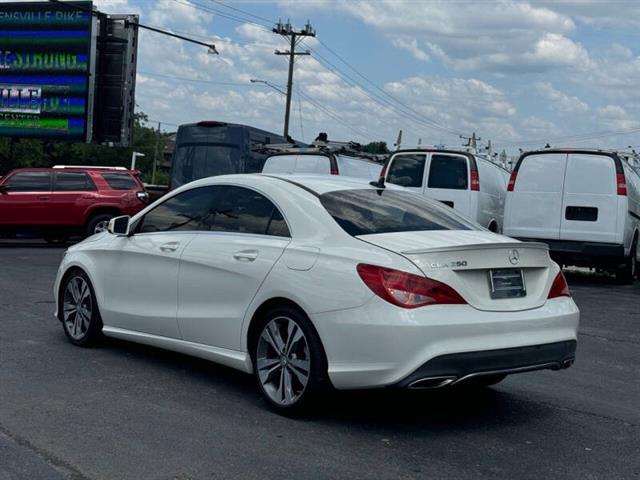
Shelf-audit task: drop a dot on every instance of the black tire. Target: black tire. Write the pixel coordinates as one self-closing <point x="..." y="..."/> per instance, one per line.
<point x="82" y="329"/>
<point x="96" y="221"/>
<point x="317" y="382"/>
<point x="626" y="274"/>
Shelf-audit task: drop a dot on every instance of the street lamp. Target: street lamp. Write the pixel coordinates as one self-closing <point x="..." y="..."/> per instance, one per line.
<point x="255" y="80"/>
<point x="134" y="156"/>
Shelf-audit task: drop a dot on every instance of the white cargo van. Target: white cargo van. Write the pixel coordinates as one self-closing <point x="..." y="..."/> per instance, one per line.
<point x="584" y="203"/>
<point x="472" y="185"/>
<point x="319" y="162"/>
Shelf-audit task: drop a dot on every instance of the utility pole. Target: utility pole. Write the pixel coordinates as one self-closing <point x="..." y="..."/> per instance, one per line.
<point x="294" y="36"/>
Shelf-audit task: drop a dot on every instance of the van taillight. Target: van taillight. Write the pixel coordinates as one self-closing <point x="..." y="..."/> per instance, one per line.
<point x="334" y="170"/>
<point x="512" y="181"/>
<point x="475" y="181"/>
<point x="559" y="288"/>
<point x="383" y="172"/>
<point x="621" y="182"/>
<point x="405" y="289"/>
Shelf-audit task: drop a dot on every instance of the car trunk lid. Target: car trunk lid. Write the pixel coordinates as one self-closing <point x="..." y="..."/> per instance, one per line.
<point x="465" y="260"/>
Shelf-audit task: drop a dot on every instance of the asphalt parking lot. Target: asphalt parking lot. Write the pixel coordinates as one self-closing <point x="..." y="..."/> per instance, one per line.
<point x="124" y="411"/>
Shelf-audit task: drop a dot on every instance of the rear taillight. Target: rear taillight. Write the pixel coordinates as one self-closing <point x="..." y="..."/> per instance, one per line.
<point x="559" y="288"/>
<point x="383" y="172"/>
<point x="621" y="183"/>
<point x="407" y="290"/>
<point x="475" y="181"/>
<point x="334" y="170"/>
<point x="512" y="181"/>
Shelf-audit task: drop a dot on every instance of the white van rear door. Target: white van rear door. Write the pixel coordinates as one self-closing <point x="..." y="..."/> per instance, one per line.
<point x="448" y="181"/>
<point x="590" y="203"/>
<point x="535" y="204"/>
<point x="407" y="170"/>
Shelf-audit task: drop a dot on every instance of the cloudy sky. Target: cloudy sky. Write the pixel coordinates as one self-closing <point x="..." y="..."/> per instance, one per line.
<point x="516" y="72"/>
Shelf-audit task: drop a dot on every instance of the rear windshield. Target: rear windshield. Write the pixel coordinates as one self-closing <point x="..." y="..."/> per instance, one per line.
<point x="120" y="181"/>
<point x="448" y="171"/>
<point x="364" y="212"/>
<point x="192" y="162"/>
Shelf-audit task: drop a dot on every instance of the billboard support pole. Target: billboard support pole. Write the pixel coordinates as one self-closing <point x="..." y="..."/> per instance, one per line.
<point x="155" y="155"/>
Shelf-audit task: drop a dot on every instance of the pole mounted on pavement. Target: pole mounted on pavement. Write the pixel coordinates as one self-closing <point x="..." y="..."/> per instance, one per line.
<point x="294" y="36"/>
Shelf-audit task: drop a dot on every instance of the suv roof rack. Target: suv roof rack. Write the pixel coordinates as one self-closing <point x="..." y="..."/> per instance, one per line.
<point x="93" y="167"/>
<point x="351" y="149"/>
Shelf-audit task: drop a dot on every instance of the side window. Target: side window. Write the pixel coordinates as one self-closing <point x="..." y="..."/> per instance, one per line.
<point x="242" y="210"/>
<point x="407" y="170"/>
<point x="120" y="181"/>
<point x="73" y="182"/>
<point x="30" y="182"/>
<point x="190" y="210"/>
<point x="448" y="171"/>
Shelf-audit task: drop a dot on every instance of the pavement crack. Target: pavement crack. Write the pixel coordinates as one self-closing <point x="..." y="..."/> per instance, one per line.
<point x="65" y="468"/>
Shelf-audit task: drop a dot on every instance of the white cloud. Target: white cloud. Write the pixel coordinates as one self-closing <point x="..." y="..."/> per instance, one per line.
<point x="559" y="101"/>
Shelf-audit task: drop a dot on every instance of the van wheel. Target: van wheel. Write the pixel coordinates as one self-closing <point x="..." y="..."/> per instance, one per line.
<point x="627" y="273"/>
<point x="98" y="223"/>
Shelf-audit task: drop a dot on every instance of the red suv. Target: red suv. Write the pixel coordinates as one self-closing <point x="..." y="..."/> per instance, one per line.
<point x="60" y="201"/>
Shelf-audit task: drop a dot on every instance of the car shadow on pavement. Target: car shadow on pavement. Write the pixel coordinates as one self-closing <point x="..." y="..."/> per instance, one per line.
<point x="400" y="410"/>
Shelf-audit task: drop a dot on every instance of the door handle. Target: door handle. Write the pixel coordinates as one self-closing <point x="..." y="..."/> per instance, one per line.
<point x="246" y="255"/>
<point x="43" y="198"/>
<point x="170" y="247"/>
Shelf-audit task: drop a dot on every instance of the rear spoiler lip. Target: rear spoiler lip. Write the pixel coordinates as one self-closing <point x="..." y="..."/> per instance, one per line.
<point x="479" y="246"/>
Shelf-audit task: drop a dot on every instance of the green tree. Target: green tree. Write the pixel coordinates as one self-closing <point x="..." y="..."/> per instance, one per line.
<point x="376" y="147"/>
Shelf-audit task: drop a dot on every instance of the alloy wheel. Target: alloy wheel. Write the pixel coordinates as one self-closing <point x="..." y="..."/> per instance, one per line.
<point x="283" y="361"/>
<point x="77" y="307"/>
<point x="101" y="226"/>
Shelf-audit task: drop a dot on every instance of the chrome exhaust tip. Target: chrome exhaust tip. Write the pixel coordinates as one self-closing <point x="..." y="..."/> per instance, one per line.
<point x="568" y="362"/>
<point x="431" y="383"/>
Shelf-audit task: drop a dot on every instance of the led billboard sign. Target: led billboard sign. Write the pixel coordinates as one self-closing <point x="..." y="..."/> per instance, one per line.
<point x="45" y="70"/>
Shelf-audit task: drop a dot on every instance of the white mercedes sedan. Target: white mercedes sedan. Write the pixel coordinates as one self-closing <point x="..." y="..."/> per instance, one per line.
<point x="313" y="282"/>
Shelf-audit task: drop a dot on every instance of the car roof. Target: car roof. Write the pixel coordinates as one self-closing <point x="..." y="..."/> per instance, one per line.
<point x="315" y="184"/>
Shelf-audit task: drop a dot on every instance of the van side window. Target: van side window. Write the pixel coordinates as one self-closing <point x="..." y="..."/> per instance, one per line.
<point x="448" y="171"/>
<point x="407" y="170"/>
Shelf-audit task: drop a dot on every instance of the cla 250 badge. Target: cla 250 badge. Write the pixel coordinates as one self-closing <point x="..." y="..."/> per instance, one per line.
<point x="454" y="264"/>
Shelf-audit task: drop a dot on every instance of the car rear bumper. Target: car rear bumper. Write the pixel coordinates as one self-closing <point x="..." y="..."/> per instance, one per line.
<point x="459" y="367"/>
<point x="379" y="345"/>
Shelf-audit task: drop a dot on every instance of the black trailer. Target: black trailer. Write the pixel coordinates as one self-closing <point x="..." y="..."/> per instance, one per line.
<point x="209" y="148"/>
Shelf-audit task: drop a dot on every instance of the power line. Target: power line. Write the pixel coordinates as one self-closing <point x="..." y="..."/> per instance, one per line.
<point x="333" y="115"/>
<point x="243" y="11"/>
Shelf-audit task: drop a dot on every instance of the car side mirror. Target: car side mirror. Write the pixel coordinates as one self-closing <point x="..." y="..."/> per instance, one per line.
<point x="119" y="226"/>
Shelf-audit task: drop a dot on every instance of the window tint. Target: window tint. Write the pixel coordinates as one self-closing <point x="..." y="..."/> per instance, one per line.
<point x="363" y="212"/>
<point x="218" y="209"/>
<point x="237" y="209"/>
<point x="407" y="170"/>
<point x="205" y="160"/>
<point x="120" y="181"/>
<point x="30" y="182"/>
<point x="73" y="182"/>
<point x="186" y="211"/>
<point x="448" y="171"/>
